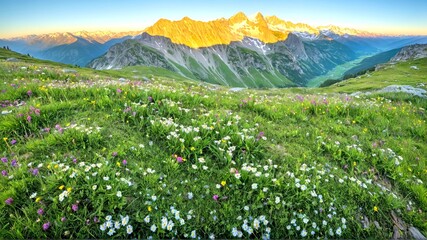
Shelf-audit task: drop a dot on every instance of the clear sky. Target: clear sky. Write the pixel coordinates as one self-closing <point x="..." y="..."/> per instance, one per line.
<point x="21" y="17"/>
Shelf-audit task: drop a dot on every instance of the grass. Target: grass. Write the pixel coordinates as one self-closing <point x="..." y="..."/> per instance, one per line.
<point x="391" y="74"/>
<point x="93" y="156"/>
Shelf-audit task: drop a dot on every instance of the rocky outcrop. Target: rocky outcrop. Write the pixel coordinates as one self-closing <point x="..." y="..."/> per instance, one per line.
<point x="411" y="52"/>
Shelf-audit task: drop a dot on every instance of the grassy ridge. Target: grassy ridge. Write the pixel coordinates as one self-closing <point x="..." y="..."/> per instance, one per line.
<point x="92" y="156"/>
<point x="391" y="74"/>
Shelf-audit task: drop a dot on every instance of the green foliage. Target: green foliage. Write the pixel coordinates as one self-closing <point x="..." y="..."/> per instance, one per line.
<point x="176" y="158"/>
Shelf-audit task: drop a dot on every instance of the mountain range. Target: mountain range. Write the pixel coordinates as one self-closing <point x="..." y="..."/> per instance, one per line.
<point x="240" y="51"/>
<point x="76" y="48"/>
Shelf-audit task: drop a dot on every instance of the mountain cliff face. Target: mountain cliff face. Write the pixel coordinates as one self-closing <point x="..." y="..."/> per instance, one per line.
<point x="415" y="51"/>
<point x="268" y="29"/>
<point x="246" y="63"/>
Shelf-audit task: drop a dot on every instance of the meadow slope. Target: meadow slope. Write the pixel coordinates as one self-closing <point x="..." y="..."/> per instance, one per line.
<point x="101" y="154"/>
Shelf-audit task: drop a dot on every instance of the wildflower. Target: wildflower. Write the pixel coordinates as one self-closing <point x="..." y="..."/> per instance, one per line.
<point x="108" y="187"/>
<point x="4" y="173"/>
<point x="35" y="171"/>
<point x="94" y="187"/>
<point x="125" y="220"/>
<point x="193" y="234"/>
<point x="13" y="142"/>
<point x="38" y="199"/>
<point x="303" y="187"/>
<point x="63" y="219"/>
<point x="234" y="232"/>
<point x="33" y="195"/>
<point x="338" y="231"/>
<point x="223" y="183"/>
<point x="9" y="201"/>
<point x="29" y="118"/>
<point x="119" y="194"/>
<point x="256" y="223"/>
<point x="303" y="233"/>
<point x="215" y="197"/>
<point x="190" y="195"/>
<point x="114" y="154"/>
<point x="108" y="218"/>
<point x="103" y="227"/>
<point x="164" y="222"/>
<point x="153" y="228"/>
<point x="254" y="186"/>
<point x="149" y="208"/>
<point x="111" y="232"/>
<point x="147" y="219"/>
<point x="179" y="159"/>
<point x="129" y="229"/>
<point x="46" y="226"/>
<point x="375" y="209"/>
<point x="4" y="159"/>
<point x="109" y="224"/>
<point x="40" y="211"/>
<point x="117" y="225"/>
<point x="170" y="225"/>
<point x="124" y="162"/>
<point x="14" y="163"/>
<point x="75" y="207"/>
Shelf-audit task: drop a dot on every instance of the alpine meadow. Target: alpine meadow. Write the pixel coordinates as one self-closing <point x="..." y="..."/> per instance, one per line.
<point x="225" y="126"/>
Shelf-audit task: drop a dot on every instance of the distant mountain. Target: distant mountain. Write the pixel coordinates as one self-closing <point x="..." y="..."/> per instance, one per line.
<point x="246" y="63"/>
<point x="246" y="51"/>
<point x="255" y="51"/>
<point x="71" y="48"/>
<point x="268" y="29"/>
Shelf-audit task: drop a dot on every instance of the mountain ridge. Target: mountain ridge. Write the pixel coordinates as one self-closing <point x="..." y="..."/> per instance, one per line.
<point x="269" y="29"/>
<point x="246" y="63"/>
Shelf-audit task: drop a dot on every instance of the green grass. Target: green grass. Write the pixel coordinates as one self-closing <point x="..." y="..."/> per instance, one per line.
<point x="392" y="74"/>
<point x="176" y="158"/>
<point x="336" y="73"/>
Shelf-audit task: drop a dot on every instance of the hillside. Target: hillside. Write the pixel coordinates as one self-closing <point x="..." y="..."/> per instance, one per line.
<point x="168" y="157"/>
<point x="412" y="72"/>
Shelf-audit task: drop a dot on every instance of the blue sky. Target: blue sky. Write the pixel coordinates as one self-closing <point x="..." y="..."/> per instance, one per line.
<point x="20" y="17"/>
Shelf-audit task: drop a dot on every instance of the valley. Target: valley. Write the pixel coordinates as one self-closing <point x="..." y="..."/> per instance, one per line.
<point x="336" y="73"/>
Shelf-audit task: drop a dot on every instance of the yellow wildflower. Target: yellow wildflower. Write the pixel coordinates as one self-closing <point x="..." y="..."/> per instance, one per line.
<point x="375" y="209"/>
<point x="223" y="183"/>
<point x="69" y="189"/>
<point x="61" y="187"/>
<point x="38" y="199"/>
<point x="118" y="164"/>
<point x="149" y="208"/>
